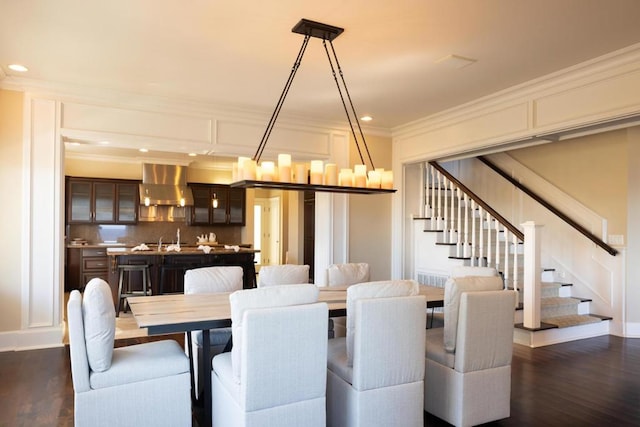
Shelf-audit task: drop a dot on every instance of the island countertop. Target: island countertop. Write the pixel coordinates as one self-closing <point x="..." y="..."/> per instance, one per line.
<point x="184" y="250"/>
<point x="167" y="268"/>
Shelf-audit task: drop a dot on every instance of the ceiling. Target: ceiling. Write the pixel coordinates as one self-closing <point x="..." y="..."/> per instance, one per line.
<point x="238" y="54"/>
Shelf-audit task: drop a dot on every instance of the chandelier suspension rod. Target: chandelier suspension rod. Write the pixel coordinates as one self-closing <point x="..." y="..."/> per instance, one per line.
<point x="283" y="95"/>
<point x="346" y="89"/>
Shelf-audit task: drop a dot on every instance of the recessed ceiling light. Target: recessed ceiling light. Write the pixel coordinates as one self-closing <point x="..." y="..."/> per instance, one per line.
<point x="192" y="154"/>
<point x="19" y="68"/>
<point x="144" y="150"/>
<point x="366" y="118"/>
<point x="103" y="142"/>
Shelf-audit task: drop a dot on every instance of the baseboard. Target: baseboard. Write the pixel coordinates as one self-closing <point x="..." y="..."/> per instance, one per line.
<point x="632" y="330"/>
<point x="31" y="339"/>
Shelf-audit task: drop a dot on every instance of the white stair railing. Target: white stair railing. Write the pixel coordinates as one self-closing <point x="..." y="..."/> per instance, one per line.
<point x="480" y="235"/>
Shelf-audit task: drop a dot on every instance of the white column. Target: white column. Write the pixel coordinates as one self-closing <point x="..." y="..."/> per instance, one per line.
<point x="531" y="282"/>
<point x="43" y="228"/>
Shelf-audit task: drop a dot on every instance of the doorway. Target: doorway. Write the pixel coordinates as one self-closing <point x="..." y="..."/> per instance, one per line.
<point x="309" y="231"/>
<point x="267" y="230"/>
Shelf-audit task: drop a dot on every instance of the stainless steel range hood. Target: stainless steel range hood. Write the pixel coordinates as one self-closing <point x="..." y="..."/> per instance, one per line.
<point x="165" y="185"/>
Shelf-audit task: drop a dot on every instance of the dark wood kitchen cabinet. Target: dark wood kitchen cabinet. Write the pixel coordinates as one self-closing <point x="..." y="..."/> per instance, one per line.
<point x="229" y="208"/>
<point x="83" y="264"/>
<point x="101" y="201"/>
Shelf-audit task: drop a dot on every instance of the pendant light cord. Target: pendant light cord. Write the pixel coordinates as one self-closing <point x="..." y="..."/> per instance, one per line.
<point x="353" y="110"/>
<point x="283" y="95"/>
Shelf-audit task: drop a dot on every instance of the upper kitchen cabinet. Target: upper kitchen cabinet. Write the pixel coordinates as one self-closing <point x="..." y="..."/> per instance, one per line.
<point x="216" y="204"/>
<point x="102" y="201"/>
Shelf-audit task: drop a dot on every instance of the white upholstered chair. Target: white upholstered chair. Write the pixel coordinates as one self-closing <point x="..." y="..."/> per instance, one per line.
<point x="283" y="274"/>
<point x="139" y="385"/>
<point x="468" y="362"/>
<point x="209" y="280"/>
<point x="275" y="374"/>
<point x="436" y="319"/>
<point x="375" y="374"/>
<point x="345" y="275"/>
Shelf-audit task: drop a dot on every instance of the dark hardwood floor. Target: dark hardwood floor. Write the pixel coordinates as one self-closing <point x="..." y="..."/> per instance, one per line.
<point x="591" y="382"/>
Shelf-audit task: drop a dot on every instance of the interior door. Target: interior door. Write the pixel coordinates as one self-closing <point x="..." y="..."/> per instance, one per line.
<point x="268" y="230"/>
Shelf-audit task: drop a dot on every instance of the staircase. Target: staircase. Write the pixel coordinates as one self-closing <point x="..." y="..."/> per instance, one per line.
<point x="457" y="231"/>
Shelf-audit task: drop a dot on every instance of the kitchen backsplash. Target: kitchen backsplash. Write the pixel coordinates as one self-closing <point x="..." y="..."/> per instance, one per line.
<point x="150" y="232"/>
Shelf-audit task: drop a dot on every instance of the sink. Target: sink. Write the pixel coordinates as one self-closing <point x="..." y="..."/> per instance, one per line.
<point x="111" y="244"/>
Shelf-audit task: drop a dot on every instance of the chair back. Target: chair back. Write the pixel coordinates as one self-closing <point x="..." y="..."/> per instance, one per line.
<point x="389" y="341"/>
<point x="453" y="289"/>
<point x="485" y="330"/>
<point x="208" y="280"/>
<point x="284" y="274"/>
<point x="466" y="270"/>
<point x="284" y="355"/>
<point x="379" y="289"/>
<point x="77" y="345"/>
<point x="347" y="274"/>
<point x="272" y="296"/>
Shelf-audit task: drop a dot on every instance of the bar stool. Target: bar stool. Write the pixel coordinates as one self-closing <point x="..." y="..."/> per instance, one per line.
<point x="128" y="269"/>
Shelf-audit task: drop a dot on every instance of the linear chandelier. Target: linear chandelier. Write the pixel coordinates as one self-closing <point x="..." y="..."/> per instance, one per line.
<point x="316" y="176"/>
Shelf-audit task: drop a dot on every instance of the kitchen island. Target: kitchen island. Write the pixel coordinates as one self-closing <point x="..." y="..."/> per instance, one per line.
<point x="167" y="267"/>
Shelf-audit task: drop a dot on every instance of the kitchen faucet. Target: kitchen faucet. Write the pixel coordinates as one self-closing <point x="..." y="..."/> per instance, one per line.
<point x="160" y="244"/>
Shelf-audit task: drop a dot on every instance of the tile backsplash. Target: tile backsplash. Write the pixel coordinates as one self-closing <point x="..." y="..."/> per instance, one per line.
<point x="150" y="232"/>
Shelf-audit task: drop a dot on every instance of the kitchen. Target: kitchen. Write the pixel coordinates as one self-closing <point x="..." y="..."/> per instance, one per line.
<point x="106" y="210"/>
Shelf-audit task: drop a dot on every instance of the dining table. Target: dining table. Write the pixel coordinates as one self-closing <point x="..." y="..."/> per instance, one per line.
<point x="175" y="313"/>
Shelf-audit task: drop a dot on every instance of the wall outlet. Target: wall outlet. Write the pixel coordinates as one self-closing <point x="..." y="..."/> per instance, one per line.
<point x="616" y="239"/>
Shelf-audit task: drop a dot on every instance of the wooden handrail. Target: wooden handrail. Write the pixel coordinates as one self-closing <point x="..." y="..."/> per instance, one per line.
<point x="595" y="239"/>
<point x="519" y="234"/>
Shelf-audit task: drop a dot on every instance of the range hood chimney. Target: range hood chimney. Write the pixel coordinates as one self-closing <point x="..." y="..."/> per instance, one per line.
<point x="165" y="185"/>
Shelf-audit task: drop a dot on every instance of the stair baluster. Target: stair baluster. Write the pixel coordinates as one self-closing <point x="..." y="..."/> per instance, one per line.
<point x="481" y="236"/>
<point x="497" y="257"/>
<point x="432" y="191"/>
<point x="506" y="272"/>
<point x="465" y="251"/>
<point x="489" y="248"/>
<point x="439" y="201"/>
<point x="445" y="199"/>
<point x="515" y="263"/>
<point x="473" y="232"/>
<point x="459" y="239"/>
<point x="452" y="227"/>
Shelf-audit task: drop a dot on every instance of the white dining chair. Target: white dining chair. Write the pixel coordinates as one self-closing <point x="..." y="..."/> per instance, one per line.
<point x="375" y="374"/>
<point x="209" y="280"/>
<point x="436" y="319"/>
<point x="275" y="374"/>
<point x="345" y="275"/>
<point x="138" y="385"/>
<point x="283" y="274"/>
<point x="468" y="362"/>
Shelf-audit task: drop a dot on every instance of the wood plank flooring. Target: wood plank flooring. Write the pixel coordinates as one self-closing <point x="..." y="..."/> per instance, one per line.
<point x="591" y="382"/>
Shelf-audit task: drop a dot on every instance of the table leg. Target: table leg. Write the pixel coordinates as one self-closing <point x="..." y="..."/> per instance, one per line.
<point x="206" y="359"/>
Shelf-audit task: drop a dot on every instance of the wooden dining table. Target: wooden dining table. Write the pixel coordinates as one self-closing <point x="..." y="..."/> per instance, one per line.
<point x="175" y="313"/>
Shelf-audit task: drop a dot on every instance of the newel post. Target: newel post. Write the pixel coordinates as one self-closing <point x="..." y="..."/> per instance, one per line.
<point x="532" y="275"/>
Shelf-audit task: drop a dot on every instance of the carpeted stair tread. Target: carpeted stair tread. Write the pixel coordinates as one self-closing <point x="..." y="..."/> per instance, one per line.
<point x="572" y="320"/>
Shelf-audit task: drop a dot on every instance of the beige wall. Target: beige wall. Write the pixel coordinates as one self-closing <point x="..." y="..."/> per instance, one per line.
<point x="11" y="183"/>
<point x="370" y="216"/>
<point x="633" y="226"/>
<point x="592" y="169"/>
